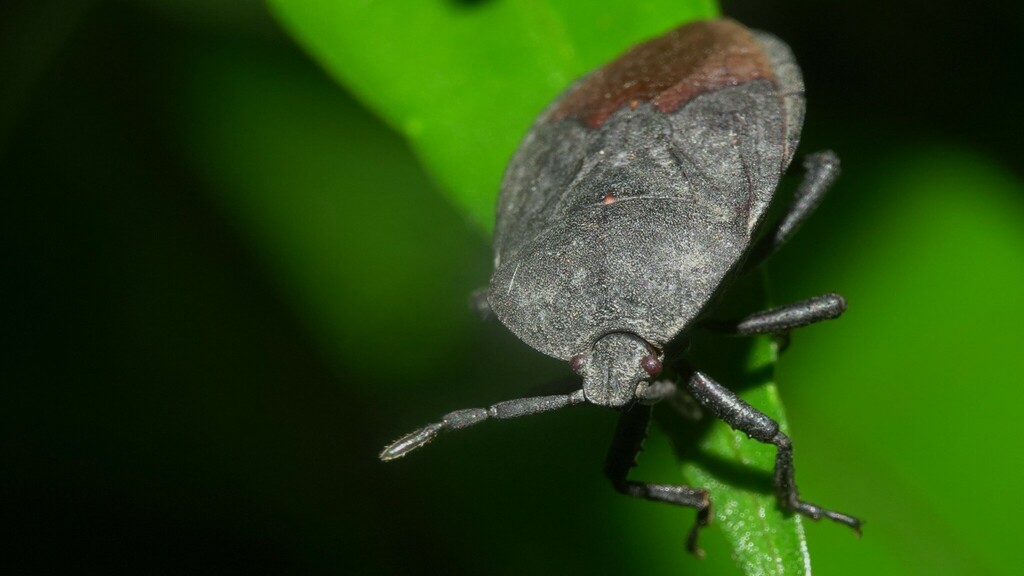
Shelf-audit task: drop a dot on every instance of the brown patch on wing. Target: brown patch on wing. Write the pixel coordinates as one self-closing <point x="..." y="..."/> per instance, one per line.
<point x="669" y="71"/>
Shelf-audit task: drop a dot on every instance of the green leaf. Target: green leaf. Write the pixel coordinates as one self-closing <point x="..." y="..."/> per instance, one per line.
<point x="912" y="391"/>
<point x="765" y="540"/>
<point x="463" y="80"/>
<point x="736" y="469"/>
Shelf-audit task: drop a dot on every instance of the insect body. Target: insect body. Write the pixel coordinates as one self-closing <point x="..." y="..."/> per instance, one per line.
<point x="632" y="202"/>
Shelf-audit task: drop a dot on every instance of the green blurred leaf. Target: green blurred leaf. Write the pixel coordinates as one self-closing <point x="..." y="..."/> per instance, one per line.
<point x="463" y="80"/>
<point x="910" y="397"/>
<point x="335" y="206"/>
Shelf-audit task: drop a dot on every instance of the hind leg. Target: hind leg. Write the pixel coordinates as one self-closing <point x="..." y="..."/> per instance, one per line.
<point x="821" y="170"/>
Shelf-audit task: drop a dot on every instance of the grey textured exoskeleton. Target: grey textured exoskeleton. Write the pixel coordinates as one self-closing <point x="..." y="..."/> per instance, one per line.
<point x="632" y="202"/>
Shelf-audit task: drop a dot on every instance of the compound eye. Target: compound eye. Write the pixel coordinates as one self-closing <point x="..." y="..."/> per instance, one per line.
<point x="576" y="363"/>
<point x="651" y="365"/>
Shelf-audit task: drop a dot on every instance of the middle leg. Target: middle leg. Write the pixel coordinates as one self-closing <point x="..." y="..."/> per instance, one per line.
<point x="628" y="442"/>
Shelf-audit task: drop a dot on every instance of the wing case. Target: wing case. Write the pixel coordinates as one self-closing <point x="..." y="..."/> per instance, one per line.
<point x="638" y="190"/>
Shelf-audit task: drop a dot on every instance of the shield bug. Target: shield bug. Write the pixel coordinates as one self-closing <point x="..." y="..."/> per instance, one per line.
<point x="632" y="202"/>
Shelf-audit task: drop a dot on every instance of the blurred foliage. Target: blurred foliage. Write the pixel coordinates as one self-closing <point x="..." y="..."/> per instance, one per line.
<point x="463" y="80"/>
<point x="463" y="110"/>
<point x="179" y="399"/>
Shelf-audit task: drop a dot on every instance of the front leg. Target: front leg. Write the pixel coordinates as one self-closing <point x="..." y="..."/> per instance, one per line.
<point x="757" y="425"/>
<point x="782" y="319"/>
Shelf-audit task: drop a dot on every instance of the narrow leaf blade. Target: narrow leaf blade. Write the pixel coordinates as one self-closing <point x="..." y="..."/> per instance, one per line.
<point x="464" y="80"/>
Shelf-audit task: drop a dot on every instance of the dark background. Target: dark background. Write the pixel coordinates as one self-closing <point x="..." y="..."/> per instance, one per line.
<point x="184" y="391"/>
